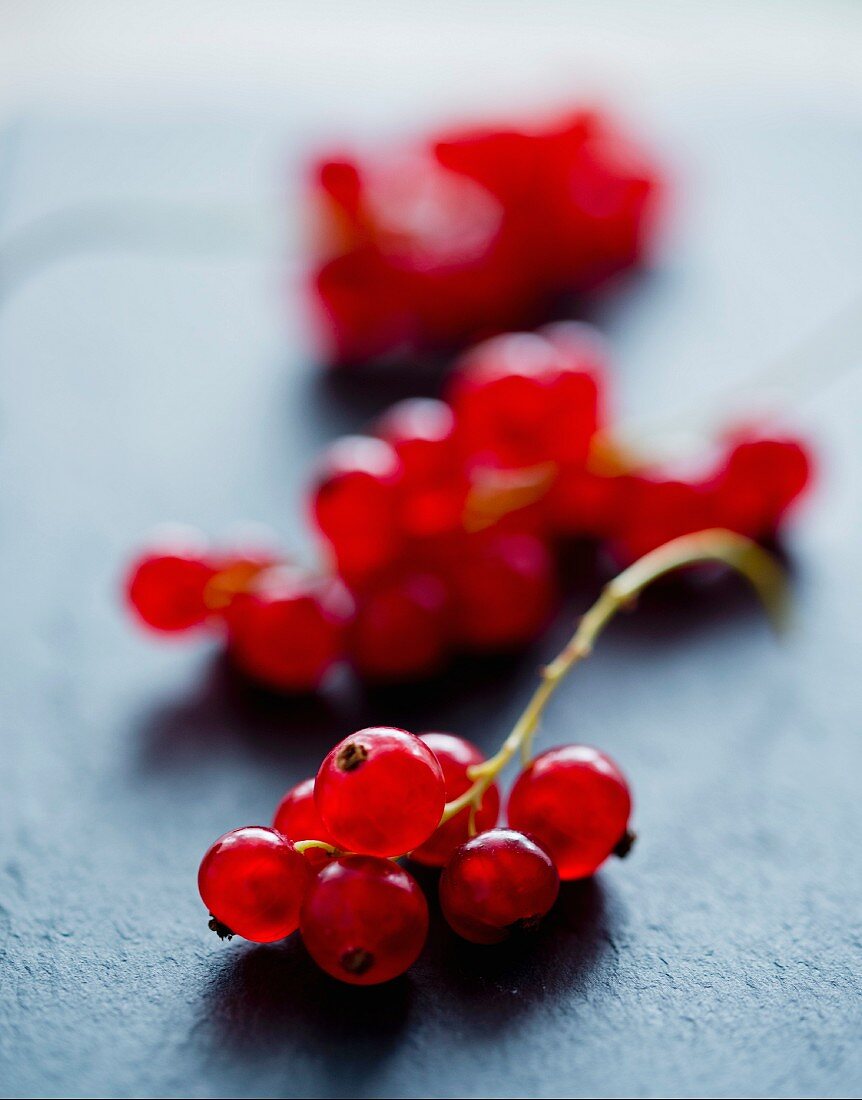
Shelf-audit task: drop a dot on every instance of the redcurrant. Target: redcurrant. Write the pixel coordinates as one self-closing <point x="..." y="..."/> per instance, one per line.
<point x="167" y="585"/>
<point x="355" y="505"/>
<point x="297" y="819"/>
<point x="759" y="482"/>
<point x="433" y="486"/>
<point x="364" y="919"/>
<point x="380" y="792"/>
<point x="402" y="628"/>
<point x="575" y="801"/>
<point x="503" y="590"/>
<point x="288" y="629"/>
<point x="497" y="883"/>
<point x="253" y="881"/>
<point x="522" y="399"/>
<point x="455" y="756"/>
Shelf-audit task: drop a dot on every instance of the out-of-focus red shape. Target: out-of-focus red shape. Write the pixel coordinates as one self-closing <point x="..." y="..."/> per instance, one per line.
<point x="473" y="232"/>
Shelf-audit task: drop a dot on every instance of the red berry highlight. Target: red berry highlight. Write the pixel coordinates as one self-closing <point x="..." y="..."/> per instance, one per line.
<point x="380" y="792"/>
<point x="364" y="920"/>
<point x="498" y="883"/>
<point x="456" y="756"/>
<point x="576" y="802"/>
<point x="253" y="881"/>
<point x="297" y="819"/>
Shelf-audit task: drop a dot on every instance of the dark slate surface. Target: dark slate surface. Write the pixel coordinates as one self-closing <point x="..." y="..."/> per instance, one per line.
<point x="156" y="374"/>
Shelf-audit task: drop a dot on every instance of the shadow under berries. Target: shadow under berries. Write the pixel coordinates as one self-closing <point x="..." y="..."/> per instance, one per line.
<point x="264" y="1001"/>
<point x="224" y="709"/>
<point x="490" y="987"/>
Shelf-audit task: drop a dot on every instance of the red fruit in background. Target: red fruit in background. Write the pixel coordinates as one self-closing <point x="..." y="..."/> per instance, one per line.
<point x="433" y="486"/>
<point x="288" y="629"/>
<point x="498" y="883"/>
<point x="759" y="482"/>
<point x="402" y="627"/>
<point x="503" y="590"/>
<point x="364" y="920"/>
<point x="456" y="755"/>
<point x="598" y="200"/>
<point x="355" y="504"/>
<point x="297" y="819"/>
<point x="380" y="792"/>
<point x="166" y="586"/>
<point x="657" y="510"/>
<point x="421" y="432"/>
<point x="576" y="803"/>
<point x="523" y="399"/>
<point x="474" y="232"/>
<point x="253" y="881"/>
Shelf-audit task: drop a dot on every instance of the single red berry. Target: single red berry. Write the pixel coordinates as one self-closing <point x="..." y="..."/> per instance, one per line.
<point x="355" y="503"/>
<point x="503" y="590"/>
<point x="761" y="479"/>
<point x="297" y="819"/>
<point x="657" y="510"/>
<point x="402" y="627"/>
<point x="253" y="881"/>
<point x="288" y="629"/>
<point x="166" y="586"/>
<point x="499" y="394"/>
<point x="522" y="398"/>
<point x="433" y="484"/>
<point x="575" y="801"/>
<point x="380" y="792"/>
<point x="455" y="756"/>
<point x="364" y="920"/>
<point x="421" y="432"/>
<point x="497" y="883"/>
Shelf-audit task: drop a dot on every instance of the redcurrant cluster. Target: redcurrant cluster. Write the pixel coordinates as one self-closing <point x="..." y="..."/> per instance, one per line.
<point x="326" y="866"/>
<point x="443" y="527"/>
<point x="436" y="244"/>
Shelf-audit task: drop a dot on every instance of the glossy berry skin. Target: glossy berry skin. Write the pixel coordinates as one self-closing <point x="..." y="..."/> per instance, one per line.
<point x="503" y="590"/>
<point x="576" y="802"/>
<point x="253" y="881"/>
<point x="288" y="629"/>
<point x="364" y="920"/>
<point x="380" y="792"/>
<point x="498" y="883"/>
<point x="297" y="819"/>
<point x="402" y="628"/>
<point x="355" y="505"/>
<point x="456" y="755"/>
<point x="167" y="588"/>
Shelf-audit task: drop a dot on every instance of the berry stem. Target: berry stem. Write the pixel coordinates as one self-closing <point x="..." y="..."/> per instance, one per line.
<point x="741" y="554"/>
<point x="304" y="845"/>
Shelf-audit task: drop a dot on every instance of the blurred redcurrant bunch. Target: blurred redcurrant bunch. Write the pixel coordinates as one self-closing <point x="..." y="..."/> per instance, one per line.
<point x="443" y="528"/>
<point x="436" y="244"/>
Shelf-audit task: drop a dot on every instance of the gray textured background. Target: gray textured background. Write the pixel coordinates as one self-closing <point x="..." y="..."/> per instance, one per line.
<point x="154" y="367"/>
